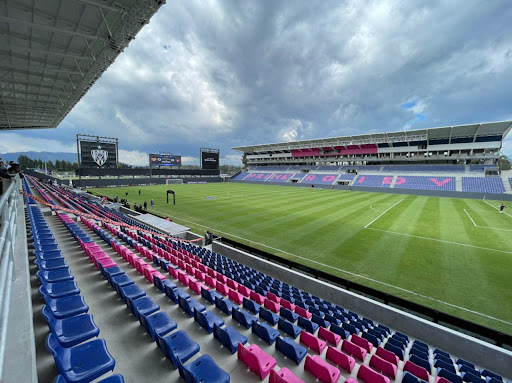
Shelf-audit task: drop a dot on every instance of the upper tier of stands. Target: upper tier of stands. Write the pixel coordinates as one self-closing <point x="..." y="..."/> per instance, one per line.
<point x="264" y="321"/>
<point x="380" y="168"/>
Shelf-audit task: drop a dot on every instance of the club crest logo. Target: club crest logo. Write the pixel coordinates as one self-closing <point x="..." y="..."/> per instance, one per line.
<point x="99" y="156"/>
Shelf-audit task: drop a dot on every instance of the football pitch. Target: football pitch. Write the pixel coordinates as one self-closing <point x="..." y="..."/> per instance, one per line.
<point x="453" y="255"/>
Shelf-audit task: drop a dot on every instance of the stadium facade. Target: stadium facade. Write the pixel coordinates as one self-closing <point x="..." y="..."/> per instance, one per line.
<point x="461" y="144"/>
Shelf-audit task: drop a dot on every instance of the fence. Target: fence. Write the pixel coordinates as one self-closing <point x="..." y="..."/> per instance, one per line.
<point x="8" y="218"/>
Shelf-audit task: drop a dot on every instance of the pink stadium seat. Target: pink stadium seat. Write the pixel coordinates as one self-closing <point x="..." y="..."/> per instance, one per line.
<point x="245" y="291"/>
<point x="353" y="349"/>
<point x="321" y="370"/>
<point x="259" y="299"/>
<point x="235" y="296"/>
<point x="221" y="278"/>
<point x="212" y="273"/>
<point x="416" y="370"/>
<point x="272" y="306"/>
<point x="196" y="286"/>
<point x="287" y="305"/>
<point x="387" y="355"/>
<point x="157" y="274"/>
<point x="351" y="380"/>
<point x="223" y="289"/>
<point x="329" y="336"/>
<point x="203" y="268"/>
<point x="440" y="379"/>
<point x="190" y="269"/>
<point x="173" y="272"/>
<point x="339" y="358"/>
<point x="210" y="281"/>
<point x="232" y="284"/>
<point x="106" y="262"/>
<point x="367" y="375"/>
<point x="312" y="342"/>
<point x="283" y="376"/>
<point x="256" y="359"/>
<point x="273" y="297"/>
<point x="383" y="366"/>
<point x="199" y="275"/>
<point x="361" y="342"/>
<point x="302" y="312"/>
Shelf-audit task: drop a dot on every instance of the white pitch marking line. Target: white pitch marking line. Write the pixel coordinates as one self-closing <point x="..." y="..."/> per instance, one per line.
<point x="378" y="211"/>
<point x="493" y="228"/>
<point x="470" y="217"/>
<point x="358" y="275"/>
<point x="384" y="212"/>
<point x="497" y="208"/>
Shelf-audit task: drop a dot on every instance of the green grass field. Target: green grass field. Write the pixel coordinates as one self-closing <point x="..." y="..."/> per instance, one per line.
<point x="450" y="254"/>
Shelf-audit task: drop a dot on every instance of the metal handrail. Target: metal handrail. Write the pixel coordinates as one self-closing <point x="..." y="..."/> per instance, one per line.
<point x="8" y="218"/>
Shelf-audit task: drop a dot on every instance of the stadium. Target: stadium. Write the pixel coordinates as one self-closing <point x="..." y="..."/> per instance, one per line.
<point x="362" y="258"/>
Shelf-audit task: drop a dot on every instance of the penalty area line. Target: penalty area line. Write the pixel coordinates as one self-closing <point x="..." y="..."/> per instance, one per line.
<point x="351" y="273"/>
<point x="384" y="212"/>
<point x="470" y="217"/>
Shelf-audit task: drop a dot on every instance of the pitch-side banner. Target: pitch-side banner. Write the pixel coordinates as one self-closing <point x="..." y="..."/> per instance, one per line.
<point x="98" y="154"/>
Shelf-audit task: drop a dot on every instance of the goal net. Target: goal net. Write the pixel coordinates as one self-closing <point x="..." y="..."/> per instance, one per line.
<point x="173" y="181"/>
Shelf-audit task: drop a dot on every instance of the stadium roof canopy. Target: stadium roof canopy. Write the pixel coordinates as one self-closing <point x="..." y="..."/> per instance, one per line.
<point x="52" y="52"/>
<point x="500" y="128"/>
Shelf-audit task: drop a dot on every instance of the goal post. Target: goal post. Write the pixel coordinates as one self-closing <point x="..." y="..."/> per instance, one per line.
<point x="170" y="181"/>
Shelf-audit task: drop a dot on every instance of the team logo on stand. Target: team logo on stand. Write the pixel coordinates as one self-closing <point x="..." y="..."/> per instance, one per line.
<point x="99" y="156"/>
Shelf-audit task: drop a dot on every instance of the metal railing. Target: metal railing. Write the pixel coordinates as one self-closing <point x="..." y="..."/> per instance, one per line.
<point x="8" y="218"/>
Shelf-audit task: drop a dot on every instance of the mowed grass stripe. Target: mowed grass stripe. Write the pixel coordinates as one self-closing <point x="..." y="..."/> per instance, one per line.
<point x="327" y="225"/>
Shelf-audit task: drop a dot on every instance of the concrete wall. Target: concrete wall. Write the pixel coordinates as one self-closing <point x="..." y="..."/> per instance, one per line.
<point x="430" y="193"/>
<point x="460" y="345"/>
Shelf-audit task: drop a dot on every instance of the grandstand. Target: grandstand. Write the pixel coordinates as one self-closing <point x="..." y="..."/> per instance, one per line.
<point x="460" y="158"/>
<point x="92" y="292"/>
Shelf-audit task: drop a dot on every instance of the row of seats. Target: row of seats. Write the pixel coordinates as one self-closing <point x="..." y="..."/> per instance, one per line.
<point x="378" y="168"/>
<point x="78" y="358"/>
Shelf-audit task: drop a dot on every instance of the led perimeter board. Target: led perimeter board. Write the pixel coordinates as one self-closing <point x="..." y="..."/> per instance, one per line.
<point x="210" y="158"/>
<point x="164" y="160"/>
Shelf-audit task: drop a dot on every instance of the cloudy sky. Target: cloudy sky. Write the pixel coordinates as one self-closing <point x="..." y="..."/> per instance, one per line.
<point x="227" y="73"/>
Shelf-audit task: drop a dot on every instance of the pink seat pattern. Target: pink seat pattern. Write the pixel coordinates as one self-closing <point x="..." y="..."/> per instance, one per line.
<point x="339" y="358"/>
<point x="272" y="306"/>
<point x="283" y="376"/>
<point x="312" y="342"/>
<point x="259" y="299"/>
<point x="223" y="289"/>
<point x="196" y="286"/>
<point x="302" y="312"/>
<point x="329" y="336"/>
<point x="287" y="305"/>
<point x="387" y="355"/>
<point x="354" y="350"/>
<point x="416" y="370"/>
<point x="321" y="370"/>
<point x="367" y="375"/>
<point x="273" y="297"/>
<point x="256" y="359"/>
<point x="245" y="291"/>
<point x="383" y="366"/>
<point x="361" y="342"/>
<point x="236" y="296"/>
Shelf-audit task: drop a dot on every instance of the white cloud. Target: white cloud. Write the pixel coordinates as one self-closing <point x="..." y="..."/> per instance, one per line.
<point x="15" y="142"/>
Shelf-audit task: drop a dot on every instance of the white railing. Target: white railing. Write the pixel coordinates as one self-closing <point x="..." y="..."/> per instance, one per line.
<point x="8" y="218"/>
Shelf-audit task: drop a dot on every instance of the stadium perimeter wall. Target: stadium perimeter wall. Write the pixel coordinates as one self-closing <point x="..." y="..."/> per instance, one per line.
<point x="115" y="182"/>
<point x="463" y="346"/>
<point x="429" y="193"/>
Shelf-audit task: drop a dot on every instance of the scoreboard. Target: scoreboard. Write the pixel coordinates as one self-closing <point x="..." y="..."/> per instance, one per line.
<point x="164" y="160"/>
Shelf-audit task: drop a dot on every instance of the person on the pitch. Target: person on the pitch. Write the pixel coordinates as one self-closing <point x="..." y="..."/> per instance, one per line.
<point x="145" y="205"/>
<point x="502" y="207"/>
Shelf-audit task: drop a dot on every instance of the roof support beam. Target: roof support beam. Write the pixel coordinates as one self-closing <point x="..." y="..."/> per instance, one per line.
<point x="31" y="84"/>
<point x="19" y="68"/>
<point x="48" y="28"/>
<point x="44" y="52"/>
<point x="11" y="89"/>
<point x="102" y="5"/>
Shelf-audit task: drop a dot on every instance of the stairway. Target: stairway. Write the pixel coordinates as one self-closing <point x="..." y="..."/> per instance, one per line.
<point x="393" y="182"/>
<point x="458" y="183"/>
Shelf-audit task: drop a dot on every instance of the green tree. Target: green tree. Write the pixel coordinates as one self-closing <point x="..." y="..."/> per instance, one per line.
<point x="244" y="160"/>
<point x="504" y="162"/>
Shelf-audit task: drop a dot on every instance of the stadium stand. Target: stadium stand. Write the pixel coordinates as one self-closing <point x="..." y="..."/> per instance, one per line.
<point x="425" y="183"/>
<point x="374" y="181"/>
<point x="483" y="185"/>
<point x="361" y="350"/>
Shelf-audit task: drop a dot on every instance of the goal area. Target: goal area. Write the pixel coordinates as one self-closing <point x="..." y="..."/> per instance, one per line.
<point x="173" y="181"/>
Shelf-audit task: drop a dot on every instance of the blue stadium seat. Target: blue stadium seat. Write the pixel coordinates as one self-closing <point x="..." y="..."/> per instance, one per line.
<point x="244" y="318"/>
<point x="289" y="328"/>
<point x="210" y="295"/>
<point x="320" y="321"/>
<point x="228" y="337"/>
<point x="59" y="289"/>
<point x="120" y="281"/>
<point x="131" y="292"/>
<point x="251" y="306"/>
<point x="472" y="378"/>
<point x="265" y="332"/>
<point x="440" y="363"/>
<point x="190" y="305"/>
<point x="158" y="324"/>
<point x="395" y="350"/>
<point x="174" y="294"/>
<point x="74" y="330"/>
<point x="422" y="362"/>
<point x="289" y="315"/>
<point x="340" y="331"/>
<point x="410" y="378"/>
<point x="203" y="370"/>
<point x="225" y="305"/>
<point x="371" y="338"/>
<point x="307" y="325"/>
<point x="207" y="320"/>
<point x="452" y="377"/>
<point x="143" y="306"/>
<point x="178" y="346"/>
<point x="269" y="316"/>
<point x="290" y="349"/>
<point x="66" y="307"/>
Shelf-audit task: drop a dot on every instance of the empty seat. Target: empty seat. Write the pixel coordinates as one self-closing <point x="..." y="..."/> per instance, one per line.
<point x="66" y="307"/>
<point x="229" y="337"/>
<point x="321" y="370"/>
<point x="344" y="334"/>
<point x="269" y="316"/>
<point x="244" y="318"/>
<point x="354" y="350"/>
<point x="341" y="359"/>
<point x="225" y="305"/>
<point x="383" y="366"/>
<point x="307" y="325"/>
<point x="265" y="332"/>
<point x="312" y="342"/>
<point x="472" y="378"/>
<point x="329" y="336"/>
<point x="256" y="360"/>
<point x="288" y="314"/>
<point x="59" y="289"/>
<point x="489" y="374"/>
<point x="203" y="369"/>
<point x="421" y="362"/>
<point x="251" y="306"/>
<point x="72" y="331"/>
<point x="131" y="292"/>
<point x="371" y="338"/>
<point x="454" y="378"/>
<point x="190" y="305"/>
<point x="178" y="346"/>
<point x="289" y="328"/>
<point x="210" y="295"/>
<point x="361" y="342"/>
<point x="410" y="378"/>
<point x="395" y="350"/>
<point x="158" y="324"/>
<point x="290" y="349"/>
<point x="283" y="376"/>
<point x="367" y="375"/>
<point x="207" y="320"/>
<point x="387" y="355"/>
<point x="81" y="363"/>
<point x="143" y="306"/>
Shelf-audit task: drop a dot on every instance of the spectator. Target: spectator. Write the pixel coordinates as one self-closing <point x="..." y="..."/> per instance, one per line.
<point x="139" y="193"/>
<point x="5" y="174"/>
<point x="145" y="205"/>
<point x="13" y="167"/>
<point x="152" y="202"/>
<point x="126" y="195"/>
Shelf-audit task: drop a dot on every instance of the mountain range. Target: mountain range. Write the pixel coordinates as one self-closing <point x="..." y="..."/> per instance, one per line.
<point x="43" y="156"/>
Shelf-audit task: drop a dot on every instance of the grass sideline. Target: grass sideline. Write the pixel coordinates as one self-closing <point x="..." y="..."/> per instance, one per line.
<point x="451" y="254"/>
